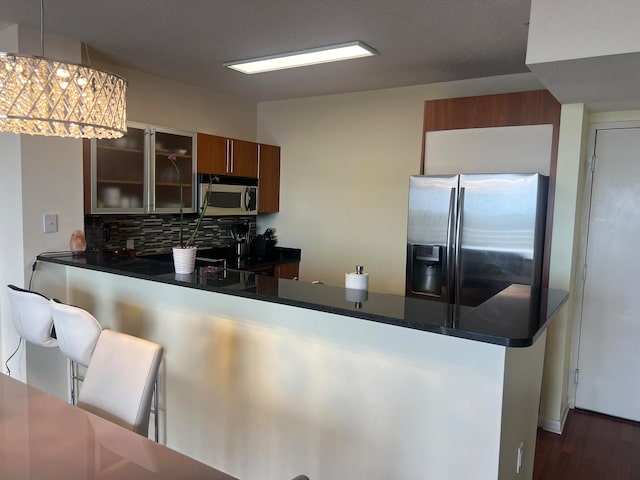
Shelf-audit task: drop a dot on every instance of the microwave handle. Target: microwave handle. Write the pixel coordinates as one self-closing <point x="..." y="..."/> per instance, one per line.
<point x="250" y="199"/>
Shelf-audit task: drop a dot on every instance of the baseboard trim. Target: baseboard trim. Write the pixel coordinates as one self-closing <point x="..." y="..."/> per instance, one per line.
<point x="553" y="425"/>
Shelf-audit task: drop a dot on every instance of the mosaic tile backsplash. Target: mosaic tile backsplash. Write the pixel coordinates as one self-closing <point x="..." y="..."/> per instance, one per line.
<point x="158" y="233"/>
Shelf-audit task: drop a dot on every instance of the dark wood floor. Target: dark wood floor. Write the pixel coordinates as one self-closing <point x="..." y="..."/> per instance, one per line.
<point x="592" y="447"/>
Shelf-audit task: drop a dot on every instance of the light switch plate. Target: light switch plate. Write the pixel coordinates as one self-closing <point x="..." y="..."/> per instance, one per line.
<point x="50" y="223"/>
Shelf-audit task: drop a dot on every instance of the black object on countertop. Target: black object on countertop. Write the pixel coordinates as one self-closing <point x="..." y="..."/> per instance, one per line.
<point x="515" y="317"/>
<point x="258" y="247"/>
<point x="274" y="256"/>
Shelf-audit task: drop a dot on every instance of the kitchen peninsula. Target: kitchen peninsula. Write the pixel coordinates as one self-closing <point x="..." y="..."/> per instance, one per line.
<point x="267" y="378"/>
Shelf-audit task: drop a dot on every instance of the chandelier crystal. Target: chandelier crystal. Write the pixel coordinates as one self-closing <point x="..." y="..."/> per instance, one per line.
<point x="46" y="97"/>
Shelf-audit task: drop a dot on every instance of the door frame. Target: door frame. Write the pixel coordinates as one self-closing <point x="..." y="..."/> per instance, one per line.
<point x="585" y="203"/>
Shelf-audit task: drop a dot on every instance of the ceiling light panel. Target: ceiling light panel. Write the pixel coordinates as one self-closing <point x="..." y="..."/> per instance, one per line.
<point x="314" y="56"/>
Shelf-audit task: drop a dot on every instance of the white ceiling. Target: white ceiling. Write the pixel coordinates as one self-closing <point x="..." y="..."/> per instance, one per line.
<point x="419" y="41"/>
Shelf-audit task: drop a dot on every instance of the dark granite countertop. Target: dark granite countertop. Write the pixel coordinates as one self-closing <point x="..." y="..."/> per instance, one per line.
<point x="515" y="317"/>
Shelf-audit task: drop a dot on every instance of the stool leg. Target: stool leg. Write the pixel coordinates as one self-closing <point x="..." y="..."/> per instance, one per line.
<point x="73" y="384"/>
<point x="156" y="419"/>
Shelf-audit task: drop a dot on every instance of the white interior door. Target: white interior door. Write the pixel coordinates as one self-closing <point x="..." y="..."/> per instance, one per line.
<point x="609" y="345"/>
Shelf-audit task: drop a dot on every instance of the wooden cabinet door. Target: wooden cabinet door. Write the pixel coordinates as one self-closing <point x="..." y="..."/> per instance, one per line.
<point x="212" y="154"/>
<point x="269" y="179"/>
<point x="288" y="270"/>
<point x="244" y="159"/>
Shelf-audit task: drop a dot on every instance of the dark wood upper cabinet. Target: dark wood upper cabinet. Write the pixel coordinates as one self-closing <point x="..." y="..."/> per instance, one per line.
<point x="243" y="157"/>
<point x="227" y="156"/>
<point x="269" y="179"/>
<point x="212" y="154"/>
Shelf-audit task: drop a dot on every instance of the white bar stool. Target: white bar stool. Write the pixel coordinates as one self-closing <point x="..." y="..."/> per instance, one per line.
<point x="120" y="382"/>
<point x="32" y="316"/>
<point x="77" y="331"/>
<point x="78" y="336"/>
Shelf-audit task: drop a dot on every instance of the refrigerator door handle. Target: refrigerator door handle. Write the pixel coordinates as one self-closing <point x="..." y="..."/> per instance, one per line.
<point x="458" y="245"/>
<point x="450" y="243"/>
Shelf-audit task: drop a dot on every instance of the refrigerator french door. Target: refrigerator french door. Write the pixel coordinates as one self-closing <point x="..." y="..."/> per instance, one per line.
<point x="470" y="236"/>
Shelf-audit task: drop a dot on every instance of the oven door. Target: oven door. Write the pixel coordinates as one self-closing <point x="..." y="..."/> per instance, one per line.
<point x="227" y="199"/>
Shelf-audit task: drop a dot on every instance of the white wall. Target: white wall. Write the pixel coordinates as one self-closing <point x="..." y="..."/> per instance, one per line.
<point x="346" y="160"/>
<point x="166" y="103"/>
<point x="566" y="238"/>
<point x="11" y="264"/>
<point x="572" y="29"/>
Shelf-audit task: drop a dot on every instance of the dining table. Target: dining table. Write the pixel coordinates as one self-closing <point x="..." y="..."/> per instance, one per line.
<point x="44" y="437"/>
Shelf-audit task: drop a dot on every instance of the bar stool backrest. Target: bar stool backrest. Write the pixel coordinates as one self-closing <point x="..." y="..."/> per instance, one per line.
<point x="32" y="316"/>
<point x="120" y="380"/>
<point x="77" y="331"/>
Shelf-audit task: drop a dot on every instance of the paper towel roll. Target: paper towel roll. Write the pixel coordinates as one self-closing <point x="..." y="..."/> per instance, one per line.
<point x="356" y="281"/>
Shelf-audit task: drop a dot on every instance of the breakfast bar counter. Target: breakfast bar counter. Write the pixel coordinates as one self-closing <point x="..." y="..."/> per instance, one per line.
<point x="515" y="317"/>
<point x="267" y="378"/>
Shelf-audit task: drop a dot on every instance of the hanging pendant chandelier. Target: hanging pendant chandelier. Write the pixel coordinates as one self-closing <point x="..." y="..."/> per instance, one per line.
<point x="46" y="97"/>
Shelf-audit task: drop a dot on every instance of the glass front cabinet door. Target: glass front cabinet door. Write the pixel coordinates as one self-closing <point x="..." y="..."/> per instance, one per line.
<point x="118" y="173"/>
<point x="133" y="174"/>
<point x="166" y="178"/>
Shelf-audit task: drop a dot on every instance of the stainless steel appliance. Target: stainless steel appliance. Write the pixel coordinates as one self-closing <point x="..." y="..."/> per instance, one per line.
<point x="470" y="236"/>
<point x="239" y="233"/>
<point x="229" y="195"/>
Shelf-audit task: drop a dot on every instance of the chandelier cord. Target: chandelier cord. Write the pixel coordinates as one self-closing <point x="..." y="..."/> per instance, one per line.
<point x="86" y="49"/>
<point x="83" y="39"/>
<point x="42" y="28"/>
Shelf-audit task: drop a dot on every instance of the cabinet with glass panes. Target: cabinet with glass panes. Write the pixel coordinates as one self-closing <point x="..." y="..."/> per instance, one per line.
<point x="165" y="180"/>
<point x="133" y="174"/>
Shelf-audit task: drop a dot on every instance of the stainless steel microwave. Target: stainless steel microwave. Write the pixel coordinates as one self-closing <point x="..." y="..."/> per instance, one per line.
<point x="228" y="195"/>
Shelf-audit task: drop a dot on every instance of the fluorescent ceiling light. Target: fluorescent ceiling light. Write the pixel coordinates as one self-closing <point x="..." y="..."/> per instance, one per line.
<point x="333" y="53"/>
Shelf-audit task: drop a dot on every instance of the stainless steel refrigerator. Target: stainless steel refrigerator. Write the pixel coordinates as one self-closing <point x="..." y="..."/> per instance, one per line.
<point x="472" y="235"/>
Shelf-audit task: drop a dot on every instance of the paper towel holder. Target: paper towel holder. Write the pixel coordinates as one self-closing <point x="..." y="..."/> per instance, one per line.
<point x="357" y="294"/>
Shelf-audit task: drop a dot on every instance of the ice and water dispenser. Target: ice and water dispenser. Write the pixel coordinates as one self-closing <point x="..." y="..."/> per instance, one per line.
<point x="427" y="269"/>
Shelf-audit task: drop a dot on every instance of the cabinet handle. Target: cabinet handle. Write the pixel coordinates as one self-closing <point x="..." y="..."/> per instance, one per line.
<point x="151" y="176"/>
<point x="231" y="156"/>
<point x="226" y="162"/>
<point x="259" y="158"/>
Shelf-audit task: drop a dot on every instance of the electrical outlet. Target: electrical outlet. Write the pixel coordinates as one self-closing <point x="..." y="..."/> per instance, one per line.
<point x="50" y="223"/>
<point x="131" y="244"/>
<point x="519" y="460"/>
